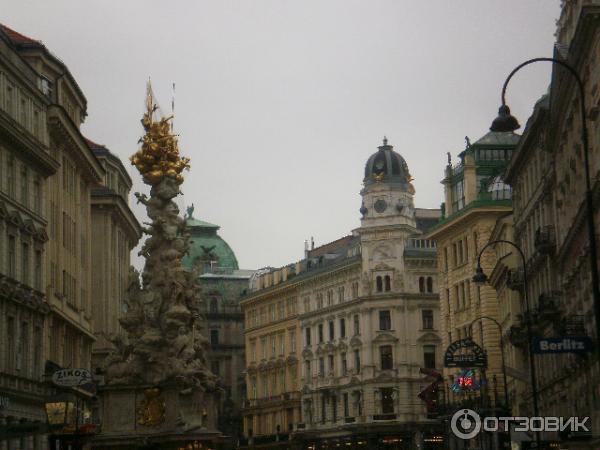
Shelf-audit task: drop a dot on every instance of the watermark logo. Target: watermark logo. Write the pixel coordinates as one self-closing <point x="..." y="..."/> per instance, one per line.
<point x="466" y="424"/>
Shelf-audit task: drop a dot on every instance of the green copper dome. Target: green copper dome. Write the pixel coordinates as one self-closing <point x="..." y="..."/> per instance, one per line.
<point x="207" y="248"/>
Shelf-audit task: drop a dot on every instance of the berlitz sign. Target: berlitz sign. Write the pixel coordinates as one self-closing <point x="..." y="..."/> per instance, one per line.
<point x="465" y="353"/>
<point x="71" y="377"/>
<point x="570" y="344"/>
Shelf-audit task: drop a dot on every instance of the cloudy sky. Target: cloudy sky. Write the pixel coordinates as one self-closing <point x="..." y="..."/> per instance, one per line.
<point x="280" y="102"/>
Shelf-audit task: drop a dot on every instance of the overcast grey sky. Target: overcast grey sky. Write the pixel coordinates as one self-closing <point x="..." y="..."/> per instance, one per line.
<point x="279" y="103"/>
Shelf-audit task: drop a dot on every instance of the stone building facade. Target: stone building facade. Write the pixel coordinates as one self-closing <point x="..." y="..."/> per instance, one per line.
<point x="223" y="284"/>
<point x="547" y="177"/>
<point x="336" y="341"/>
<point x="476" y="198"/>
<point x="25" y="165"/>
<point x="49" y="175"/>
<point x="116" y="232"/>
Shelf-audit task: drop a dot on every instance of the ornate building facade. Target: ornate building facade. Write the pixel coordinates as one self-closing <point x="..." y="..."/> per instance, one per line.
<point x="25" y="165"/>
<point x="116" y="232"/>
<point x="223" y="284"/>
<point x="547" y="177"/>
<point x="49" y="179"/>
<point x="476" y="198"/>
<point x="336" y="341"/>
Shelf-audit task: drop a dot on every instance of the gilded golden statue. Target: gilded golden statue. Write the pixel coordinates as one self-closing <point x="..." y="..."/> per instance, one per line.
<point x="159" y="156"/>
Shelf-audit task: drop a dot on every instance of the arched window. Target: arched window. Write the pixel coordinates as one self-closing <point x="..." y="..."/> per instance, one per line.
<point x="214" y="307"/>
<point x="421" y="284"/>
<point x="379" y="283"/>
<point x="429" y="284"/>
<point x="388" y="284"/>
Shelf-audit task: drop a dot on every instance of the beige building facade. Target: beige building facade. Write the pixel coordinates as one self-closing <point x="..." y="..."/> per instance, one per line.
<point x="476" y="199"/>
<point x="25" y="165"/>
<point x="116" y="232"/>
<point x="50" y="179"/>
<point x="363" y="320"/>
<point x="547" y="177"/>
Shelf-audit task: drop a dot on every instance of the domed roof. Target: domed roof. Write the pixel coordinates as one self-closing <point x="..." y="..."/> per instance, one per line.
<point x="386" y="165"/>
<point x="207" y="248"/>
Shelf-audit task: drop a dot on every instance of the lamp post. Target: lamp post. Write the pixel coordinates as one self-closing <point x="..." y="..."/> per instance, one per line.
<point x="481" y="277"/>
<point x="506" y="122"/>
<point x="501" y="351"/>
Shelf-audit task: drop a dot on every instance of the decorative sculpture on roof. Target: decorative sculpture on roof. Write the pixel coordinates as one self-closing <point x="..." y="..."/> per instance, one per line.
<point x="164" y="342"/>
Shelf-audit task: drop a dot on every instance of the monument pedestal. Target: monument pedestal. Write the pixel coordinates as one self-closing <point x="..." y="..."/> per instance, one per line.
<point x="156" y="417"/>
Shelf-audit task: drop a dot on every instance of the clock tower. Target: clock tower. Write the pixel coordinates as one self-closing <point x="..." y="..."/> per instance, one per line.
<point x="388" y="219"/>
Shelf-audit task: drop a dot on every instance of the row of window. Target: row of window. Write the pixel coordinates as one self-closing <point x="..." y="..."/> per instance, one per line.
<point x="330" y="297"/>
<point x="68" y="348"/>
<point x="272" y="312"/>
<point x="273" y="383"/>
<point x="386" y="362"/>
<point x="25" y="255"/>
<point x="23" y="348"/>
<point x="385" y="324"/>
<point x="22" y="108"/>
<point x="459" y="252"/>
<point x="271" y="346"/>
<point x="10" y="172"/>
<point x="421" y="243"/>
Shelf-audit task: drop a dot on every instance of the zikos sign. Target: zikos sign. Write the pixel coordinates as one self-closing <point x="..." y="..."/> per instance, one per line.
<point x="71" y="377"/>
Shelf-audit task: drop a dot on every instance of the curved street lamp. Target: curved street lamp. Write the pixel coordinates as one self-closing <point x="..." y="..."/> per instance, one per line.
<point x="480" y="277"/>
<point x="501" y="351"/>
<point x="506" y="122"/>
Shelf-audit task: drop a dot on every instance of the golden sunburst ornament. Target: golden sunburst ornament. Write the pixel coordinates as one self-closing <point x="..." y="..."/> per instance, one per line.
<point x="151" y="411"/>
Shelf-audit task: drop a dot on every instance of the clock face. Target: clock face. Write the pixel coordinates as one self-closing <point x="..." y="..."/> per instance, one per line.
<point x="380" y="205"/>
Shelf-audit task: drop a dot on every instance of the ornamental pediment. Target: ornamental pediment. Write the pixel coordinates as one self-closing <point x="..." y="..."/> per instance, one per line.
<point x="385" y="337"/>
<point x="307" y="353"/>
<point x="291" y="360"/>
<point x="385" y="376"/>
<point x="429" y="337"/>
<point x="355" y="341"/>
<point x="342" y="346"/>
<point x="329" y="347"/>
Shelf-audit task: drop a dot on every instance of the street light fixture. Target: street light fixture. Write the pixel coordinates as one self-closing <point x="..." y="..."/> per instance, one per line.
<point x="60" y="411"/>
<point x="506" y="122"/>
<point x="506" y="402"/>
<point x="481" y="277"/>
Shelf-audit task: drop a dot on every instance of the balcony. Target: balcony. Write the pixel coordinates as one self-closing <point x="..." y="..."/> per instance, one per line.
<point x="517" y="335"/>
<point x="544" y="240"/>
<point x="515" y="279"/>
<point x="549" y="306"/>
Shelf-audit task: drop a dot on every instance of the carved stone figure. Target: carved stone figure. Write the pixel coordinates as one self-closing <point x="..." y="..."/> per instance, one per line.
<point x="163" y="320"/>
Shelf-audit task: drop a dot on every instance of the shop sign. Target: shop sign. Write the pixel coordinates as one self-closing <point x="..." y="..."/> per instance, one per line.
<point x="567" y="344"/>
<point x="71" y="377"/>
<point x="465" y="353"/>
